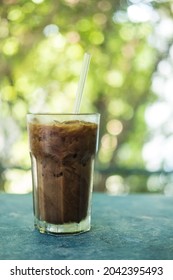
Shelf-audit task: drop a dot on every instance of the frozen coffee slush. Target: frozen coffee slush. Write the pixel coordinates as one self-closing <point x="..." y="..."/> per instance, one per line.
<point x="62" y="149"/>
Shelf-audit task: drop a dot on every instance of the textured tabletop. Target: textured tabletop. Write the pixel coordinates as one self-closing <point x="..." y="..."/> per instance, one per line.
<point x="123" y="227"/>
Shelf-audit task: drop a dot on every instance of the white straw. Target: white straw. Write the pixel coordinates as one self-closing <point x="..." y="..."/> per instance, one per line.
<point x="81" y="83"/>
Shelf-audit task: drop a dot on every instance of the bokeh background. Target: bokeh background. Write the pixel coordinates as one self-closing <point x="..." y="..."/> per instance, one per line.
<point x="130" y="82"/>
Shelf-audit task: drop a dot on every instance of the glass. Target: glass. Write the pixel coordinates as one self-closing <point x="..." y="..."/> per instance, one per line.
<point x="62" y="150"/>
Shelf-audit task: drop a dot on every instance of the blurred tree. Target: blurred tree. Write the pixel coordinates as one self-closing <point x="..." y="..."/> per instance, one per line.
<point x="41" y="48"/>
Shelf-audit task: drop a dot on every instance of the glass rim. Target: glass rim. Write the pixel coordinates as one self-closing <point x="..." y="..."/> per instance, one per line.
<point x="63" y="114"/>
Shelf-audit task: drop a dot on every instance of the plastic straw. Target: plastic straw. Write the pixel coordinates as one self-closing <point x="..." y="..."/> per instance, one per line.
<point x="81" y="83"/>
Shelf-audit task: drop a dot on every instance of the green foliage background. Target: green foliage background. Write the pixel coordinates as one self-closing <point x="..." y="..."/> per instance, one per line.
<point x="42" y="44"/>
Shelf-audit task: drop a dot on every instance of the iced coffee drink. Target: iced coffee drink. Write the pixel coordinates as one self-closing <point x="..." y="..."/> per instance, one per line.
<point x="62" y="152"/>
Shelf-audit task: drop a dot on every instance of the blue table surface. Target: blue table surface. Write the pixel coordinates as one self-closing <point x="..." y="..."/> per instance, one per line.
<point x="137" y="227"/>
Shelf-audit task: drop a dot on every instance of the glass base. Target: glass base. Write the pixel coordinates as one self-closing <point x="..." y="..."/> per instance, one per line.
<point x="45" y="227"/>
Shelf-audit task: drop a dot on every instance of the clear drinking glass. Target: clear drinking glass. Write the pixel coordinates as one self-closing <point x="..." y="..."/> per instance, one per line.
<point x="62" y="149"/>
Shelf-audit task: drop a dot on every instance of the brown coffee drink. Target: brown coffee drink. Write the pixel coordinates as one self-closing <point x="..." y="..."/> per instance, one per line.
<point x="62" y="155"/>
